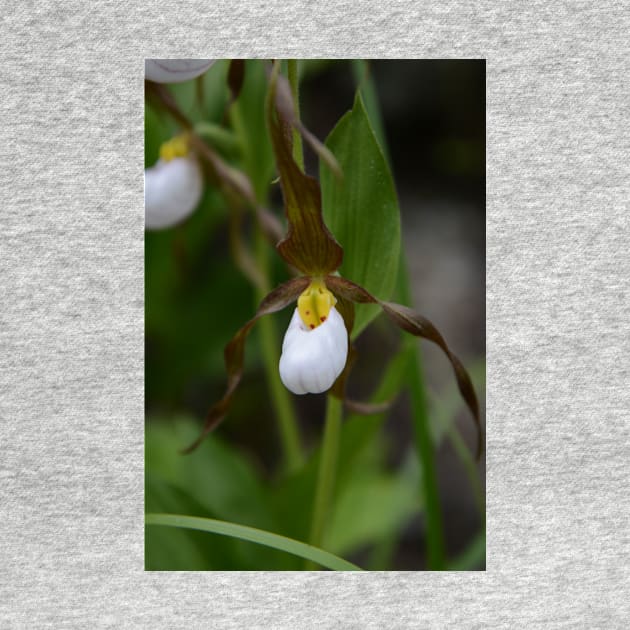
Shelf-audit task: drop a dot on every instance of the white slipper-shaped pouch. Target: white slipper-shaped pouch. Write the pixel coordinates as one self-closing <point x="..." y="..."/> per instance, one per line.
<point x="312" y="360"/>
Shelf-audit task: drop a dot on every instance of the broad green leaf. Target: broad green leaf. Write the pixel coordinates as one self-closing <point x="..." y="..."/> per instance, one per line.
<point x="361" y="210"/>
<point x="216" y="476"/>
<point x="371" y="507"/>
<point x="258" y="536"/>
<point x="365" y="84"/>
<point x="216" y="481"/>
<point x="182" y="550"/>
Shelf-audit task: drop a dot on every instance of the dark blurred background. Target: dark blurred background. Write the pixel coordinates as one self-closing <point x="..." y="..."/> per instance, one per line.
<point x="433" y="115"/>
<point x="433" y="122"/>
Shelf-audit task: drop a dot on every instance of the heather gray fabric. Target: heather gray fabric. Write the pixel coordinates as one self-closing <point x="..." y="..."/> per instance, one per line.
<point x="71" y="320"/>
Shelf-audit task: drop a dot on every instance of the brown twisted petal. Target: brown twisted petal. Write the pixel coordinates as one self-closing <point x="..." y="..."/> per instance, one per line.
<point x="234" y="352"/>
<point x="419" y="326"/>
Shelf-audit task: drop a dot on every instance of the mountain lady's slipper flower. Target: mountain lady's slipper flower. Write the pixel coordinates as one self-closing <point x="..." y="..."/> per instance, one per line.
<point x="315" y="349"/>
<point x="175" y="70"/>
<point x="173" y="186"/>
<point x="315" y="346"/>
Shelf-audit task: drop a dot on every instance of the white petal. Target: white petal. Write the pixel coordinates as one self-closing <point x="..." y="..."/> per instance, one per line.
<point x="175" y="70"/>
<point x="172" y="191"/>
<point x="312" y="360"/>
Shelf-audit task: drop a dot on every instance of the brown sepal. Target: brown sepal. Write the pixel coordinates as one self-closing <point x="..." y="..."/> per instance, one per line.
<point x="308" y="246"/>
<point x="234" y="352"/>
<point x="419" y="326"/>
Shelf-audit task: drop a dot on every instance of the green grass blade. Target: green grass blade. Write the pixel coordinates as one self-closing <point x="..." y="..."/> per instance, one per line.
<point x="295" y="547"/>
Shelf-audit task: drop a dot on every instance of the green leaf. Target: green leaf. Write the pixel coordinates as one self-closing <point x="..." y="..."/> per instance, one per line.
<point x="181" y="550"/>
<point x="358" y="435"/>
<point x="261" y="537"/>
<point x="361" y="210"/>
<point x="370" y="508"/>
<point x="218" y="477"/>
<point x="248" y="118"/>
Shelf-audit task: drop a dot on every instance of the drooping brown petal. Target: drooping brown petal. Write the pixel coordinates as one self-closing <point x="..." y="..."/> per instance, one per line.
<point x="309" y="246"/>
<point x="338" y="390"/>
<point x="235" y="351"/>
<point x="418" y="326"/>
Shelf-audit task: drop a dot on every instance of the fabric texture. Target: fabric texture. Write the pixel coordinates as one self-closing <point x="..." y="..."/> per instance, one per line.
<point x="71" y="320"/>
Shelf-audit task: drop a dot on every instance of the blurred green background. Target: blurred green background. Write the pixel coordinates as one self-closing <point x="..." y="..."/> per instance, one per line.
<point x="431" y="115"/>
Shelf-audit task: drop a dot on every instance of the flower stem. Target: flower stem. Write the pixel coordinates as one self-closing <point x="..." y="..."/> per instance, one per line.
<point x="435" y="537"/>
<point x="269" y="340"/>
<point x="327" y="471"/>
<point x="294" y="82"/>
<point x="270" y="344"/>
<point x="436" y="557"/>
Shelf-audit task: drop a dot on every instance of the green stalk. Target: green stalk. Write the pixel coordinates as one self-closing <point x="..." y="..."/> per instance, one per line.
<point x="435" y="537"/>
<point x="294" y="82"/>
<point x="269" y="340"/>
<point x="436" y="555"/>
<point x="327" y="472"/>
<point x="270" y="346"/>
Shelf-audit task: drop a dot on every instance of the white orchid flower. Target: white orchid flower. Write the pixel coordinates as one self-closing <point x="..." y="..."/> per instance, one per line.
<point x="315" y="346"/>
<point x="175" y="70"/>
<point x="172" y="187"/>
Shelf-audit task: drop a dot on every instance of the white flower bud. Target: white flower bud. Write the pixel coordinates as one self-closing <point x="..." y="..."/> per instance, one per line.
<point x="312" y="360"/>
<point x="175" y="70"/>
<point x="172" y="190"/>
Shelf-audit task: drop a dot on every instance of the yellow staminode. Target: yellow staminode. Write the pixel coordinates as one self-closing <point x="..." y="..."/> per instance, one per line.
<point x="174" y="148"/>
<point x="315" y="303"/>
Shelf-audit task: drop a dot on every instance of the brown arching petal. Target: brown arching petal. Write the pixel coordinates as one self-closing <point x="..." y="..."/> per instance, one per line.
<point x="309" y="245"/>
<point x="234" y="352"/>
<point x="419" y="326"/>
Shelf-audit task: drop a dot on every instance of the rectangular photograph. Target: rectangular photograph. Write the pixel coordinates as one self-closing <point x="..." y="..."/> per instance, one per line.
<point x="315" y="315"/>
